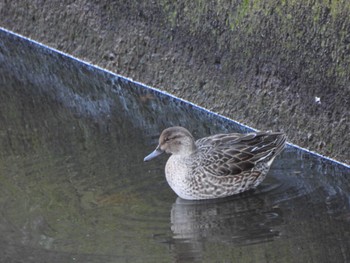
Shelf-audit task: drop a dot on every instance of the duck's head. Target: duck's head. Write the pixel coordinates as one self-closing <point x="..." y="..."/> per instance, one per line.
<point x="174" y="140"/>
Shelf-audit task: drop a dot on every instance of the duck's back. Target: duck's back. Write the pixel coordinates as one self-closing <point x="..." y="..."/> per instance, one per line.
<point x="230" y="154"/>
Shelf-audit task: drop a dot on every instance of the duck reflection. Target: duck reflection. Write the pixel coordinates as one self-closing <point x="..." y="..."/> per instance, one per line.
<point x="241" y="220"/>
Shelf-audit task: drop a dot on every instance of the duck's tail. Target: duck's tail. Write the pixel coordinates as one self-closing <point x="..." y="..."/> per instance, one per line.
<point x="271" y="144"/>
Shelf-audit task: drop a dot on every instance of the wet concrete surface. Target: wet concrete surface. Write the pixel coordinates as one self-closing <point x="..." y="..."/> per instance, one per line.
<point x="271" y="65"/>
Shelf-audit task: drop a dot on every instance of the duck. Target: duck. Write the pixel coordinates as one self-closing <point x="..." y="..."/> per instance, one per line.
<point x="219" y="165"/>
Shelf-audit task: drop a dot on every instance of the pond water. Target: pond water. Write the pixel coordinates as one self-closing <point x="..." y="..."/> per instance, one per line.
<point x="74" y="187"/>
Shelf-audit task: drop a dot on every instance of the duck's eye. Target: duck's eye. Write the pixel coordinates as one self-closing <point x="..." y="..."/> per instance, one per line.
<point x="169" y="138"/>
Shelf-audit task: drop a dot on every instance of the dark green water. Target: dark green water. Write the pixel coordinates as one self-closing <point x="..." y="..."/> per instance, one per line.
<point x="74" y="187"/>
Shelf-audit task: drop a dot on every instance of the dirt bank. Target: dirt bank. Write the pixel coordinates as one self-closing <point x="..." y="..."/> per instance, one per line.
<point x="270" y="65"/>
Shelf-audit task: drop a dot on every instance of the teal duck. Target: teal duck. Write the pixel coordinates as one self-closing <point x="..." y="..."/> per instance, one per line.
<point x="219" y="165"/>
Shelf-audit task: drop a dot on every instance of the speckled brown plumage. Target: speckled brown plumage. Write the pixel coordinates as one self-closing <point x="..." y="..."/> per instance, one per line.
<point x="219" y="165"/>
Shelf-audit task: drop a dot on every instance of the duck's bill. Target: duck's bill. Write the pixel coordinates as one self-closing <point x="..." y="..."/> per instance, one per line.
<point x="153" y="154"/>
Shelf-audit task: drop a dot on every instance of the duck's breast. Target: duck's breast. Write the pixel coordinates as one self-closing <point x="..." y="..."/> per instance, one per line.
<point x="178" y="175"/>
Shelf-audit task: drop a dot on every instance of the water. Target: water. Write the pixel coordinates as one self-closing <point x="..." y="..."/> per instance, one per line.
<point x="74" y="187"/>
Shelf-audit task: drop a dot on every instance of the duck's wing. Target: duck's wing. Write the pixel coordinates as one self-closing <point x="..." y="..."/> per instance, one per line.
<point x="230" y="154"/>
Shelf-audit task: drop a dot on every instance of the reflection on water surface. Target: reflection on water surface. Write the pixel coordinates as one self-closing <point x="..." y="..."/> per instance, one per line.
<point x="74" y="188"/>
